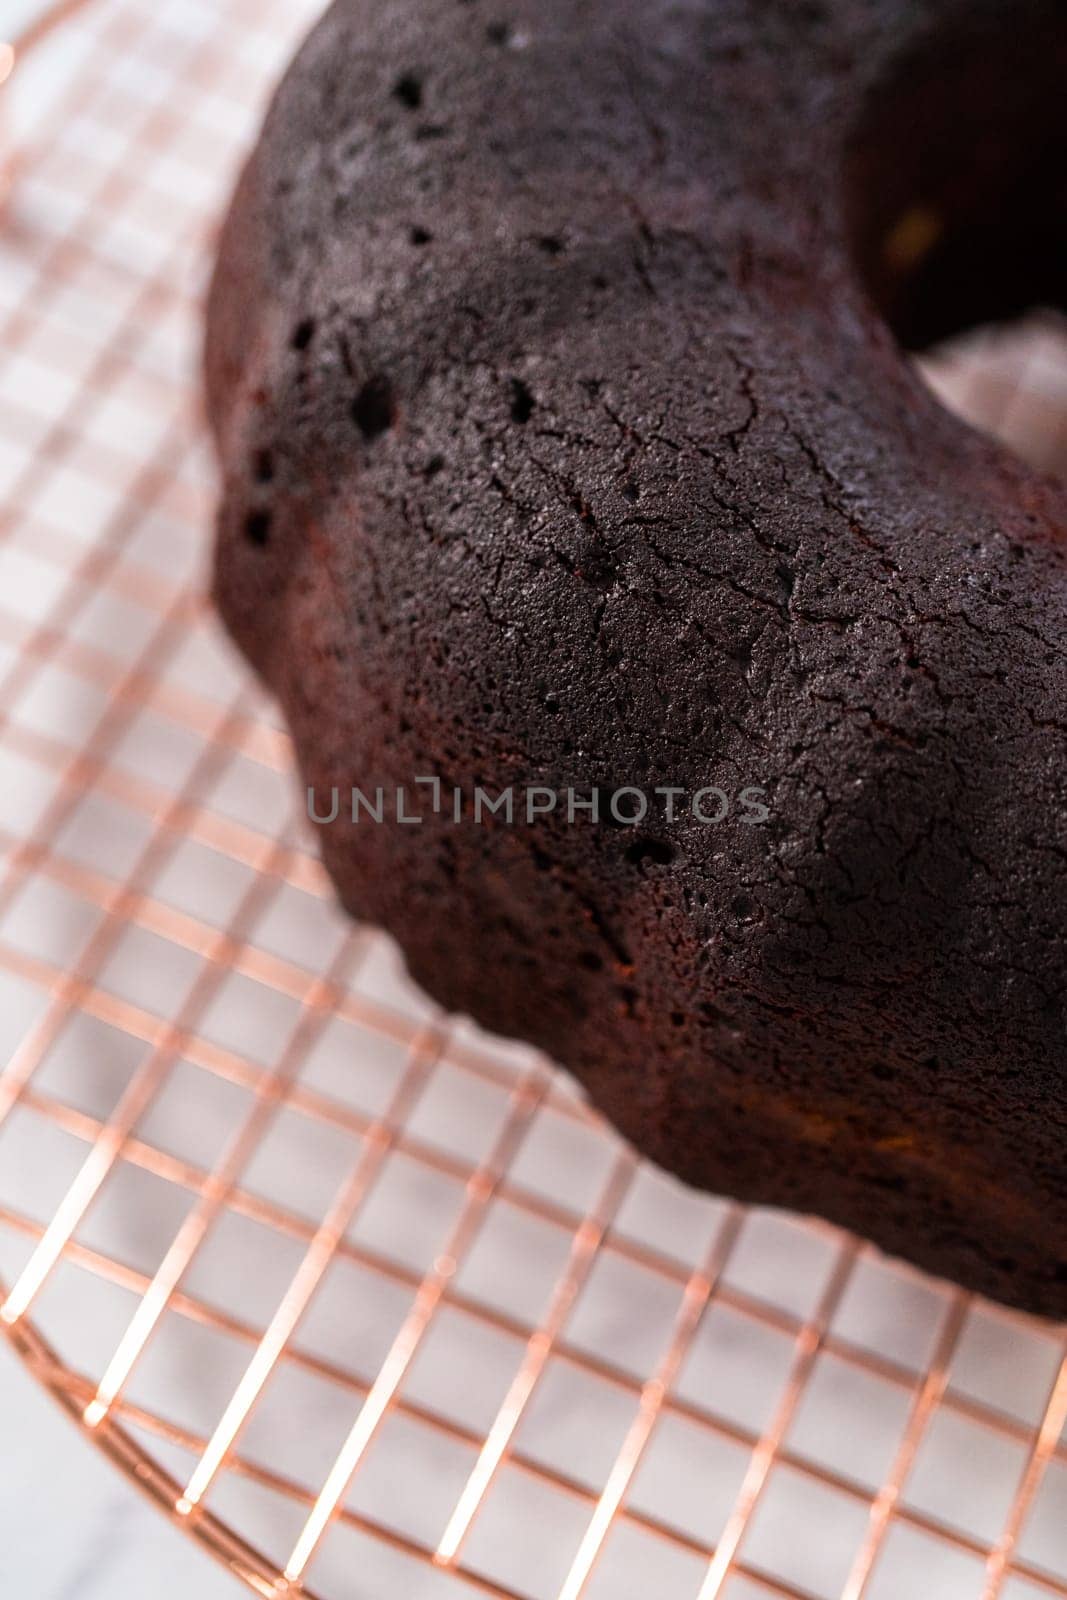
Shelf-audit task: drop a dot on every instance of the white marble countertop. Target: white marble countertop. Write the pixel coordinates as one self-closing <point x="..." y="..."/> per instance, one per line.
<point x="70" y="1527"/>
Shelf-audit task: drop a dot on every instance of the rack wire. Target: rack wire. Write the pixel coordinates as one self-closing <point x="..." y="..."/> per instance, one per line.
<point x="368" y="1302"/>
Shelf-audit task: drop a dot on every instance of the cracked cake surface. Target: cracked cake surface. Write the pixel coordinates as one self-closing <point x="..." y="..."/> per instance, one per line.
<point x="554" y="362"/>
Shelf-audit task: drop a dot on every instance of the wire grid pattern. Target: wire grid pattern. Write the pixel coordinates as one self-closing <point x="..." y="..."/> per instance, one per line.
<point x="369" y="1302"/>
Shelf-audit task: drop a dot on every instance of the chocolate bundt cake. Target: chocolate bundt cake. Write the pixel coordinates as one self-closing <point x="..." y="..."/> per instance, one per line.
<point x="555" y="361"/>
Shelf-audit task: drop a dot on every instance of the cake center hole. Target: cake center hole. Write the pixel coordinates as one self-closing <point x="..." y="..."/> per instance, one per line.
<point x="955" y="187"/>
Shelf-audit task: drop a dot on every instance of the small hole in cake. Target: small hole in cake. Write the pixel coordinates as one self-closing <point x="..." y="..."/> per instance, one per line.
<point x="257" y="527"/>
<point x="434" y="466"/>
<point x="498" y="32"/>
<point x="303" y="334"/>
<point x="597" y="567"/>
<point x="591" y="961"/>
<point x="658" y="851"/>
<point x="600" y="282"/>
<point x="374" y="408"/>
<point x="421" y="235"/>
<point x="630" y="491"/>
<point x="522" y="401"/>
<point x="263" y="466"/>
<point x="408" y="90"/>
<point x="551" y="244"/>
<point x="677" y="1019"/>
<point x="432" y="130"/>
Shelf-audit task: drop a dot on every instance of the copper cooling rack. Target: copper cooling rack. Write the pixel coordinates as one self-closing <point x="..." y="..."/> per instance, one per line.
<point x="368" y="1303"/>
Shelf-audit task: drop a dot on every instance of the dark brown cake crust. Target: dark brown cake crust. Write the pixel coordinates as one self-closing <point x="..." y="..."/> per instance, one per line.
<point x="566" y="442"/>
